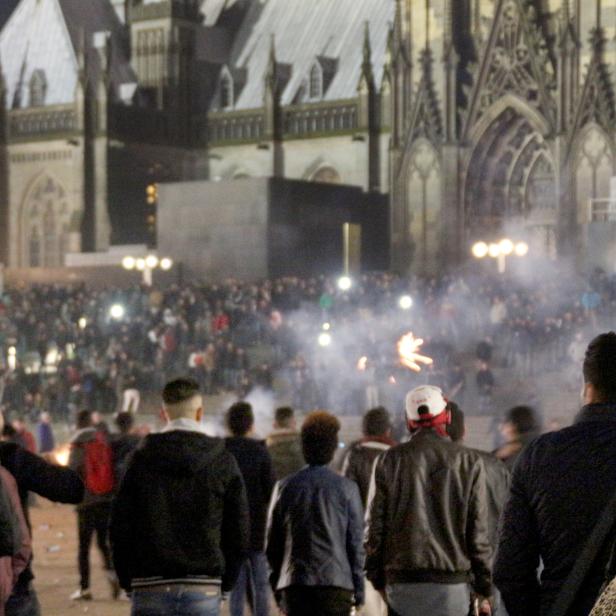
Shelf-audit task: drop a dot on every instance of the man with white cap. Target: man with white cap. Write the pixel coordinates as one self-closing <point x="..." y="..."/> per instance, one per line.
<point x="428" y="546"/>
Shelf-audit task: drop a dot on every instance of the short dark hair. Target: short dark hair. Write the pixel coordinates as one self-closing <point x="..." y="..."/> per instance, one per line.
<point x="523" y="418"/>
<point x="124" y="422"/>
<point x="180" y="390"/>
<point x="600" y="366"/>
<point x="283" y="416"/>
<point x="83" y="419"/>
<point x="455" y="428"/>
<point x="320" y="437"/>
<point x="377" y="422"/>
<point x="240" y="418"/>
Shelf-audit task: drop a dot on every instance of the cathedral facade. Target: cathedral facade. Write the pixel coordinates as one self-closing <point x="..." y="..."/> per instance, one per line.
<point x="476" y="117"/>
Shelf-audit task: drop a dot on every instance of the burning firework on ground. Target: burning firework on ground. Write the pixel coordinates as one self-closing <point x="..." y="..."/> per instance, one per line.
<point x="408" y="350"/>
<point x="362" y="364"/>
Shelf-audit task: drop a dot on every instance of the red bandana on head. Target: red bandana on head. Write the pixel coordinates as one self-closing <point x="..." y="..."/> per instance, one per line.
<point x="437" y="423"/>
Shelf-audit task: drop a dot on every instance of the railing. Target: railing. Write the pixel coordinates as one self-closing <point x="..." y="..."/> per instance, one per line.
<point x="229" y="127"/>
<point x="300" y="121"/>
<point x="602" y="210"/>
<point x="27" y="123"/>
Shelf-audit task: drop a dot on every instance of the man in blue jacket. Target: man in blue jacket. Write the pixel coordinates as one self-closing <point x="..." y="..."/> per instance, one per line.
<point x="315" y="531"/>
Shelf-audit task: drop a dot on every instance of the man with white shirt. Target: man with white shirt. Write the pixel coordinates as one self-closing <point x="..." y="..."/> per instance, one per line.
<point x="179" y="527"/>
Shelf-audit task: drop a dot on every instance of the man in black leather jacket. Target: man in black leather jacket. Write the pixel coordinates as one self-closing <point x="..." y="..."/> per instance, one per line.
<point x="179" y="526"/>
<point x="315" y="528"/>
<point x="428" y="532"/>
<point x="561" y="484"/>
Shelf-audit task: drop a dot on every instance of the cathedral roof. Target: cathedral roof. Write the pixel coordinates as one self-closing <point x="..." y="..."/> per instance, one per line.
<point x="44" y="36"/>
<point x="304" y="31"/>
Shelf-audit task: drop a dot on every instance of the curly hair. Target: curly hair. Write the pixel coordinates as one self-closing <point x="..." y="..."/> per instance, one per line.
<point x="320" y="437"/>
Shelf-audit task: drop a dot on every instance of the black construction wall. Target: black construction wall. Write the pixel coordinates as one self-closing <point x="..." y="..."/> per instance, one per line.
<point x="305" y="227"/>
<point x="255" y="228"/>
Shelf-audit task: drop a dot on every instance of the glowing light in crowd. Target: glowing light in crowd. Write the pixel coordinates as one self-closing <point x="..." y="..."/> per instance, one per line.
<point x="129" y="263"/>
<point x="166" y="264"/>
<point x="151" y="261"/>
<point x="326" y="327"/>
<point x="480" y="250"/>
<point x="405" y="302"/>
<point x="344" y="283"/>
<point x="83" y="323"/>
<point x="362" y="364"/>
<point x="117" y="312"/>
<point x="521" y="249"/>
<point x="408" y="350"/>
<point x="140" y="264"/>
<point x="61" y="455"/>
<point x="325" y="339"/>
<point x="51" y="359"/>
<point x="392" y="380"/>
<point x="12" y="359"/>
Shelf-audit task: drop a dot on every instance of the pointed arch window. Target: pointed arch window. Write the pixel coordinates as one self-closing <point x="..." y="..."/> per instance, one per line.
<point x="38" y="88"/>
<point x="315" y="82"/>
<point x="226" y="91"/>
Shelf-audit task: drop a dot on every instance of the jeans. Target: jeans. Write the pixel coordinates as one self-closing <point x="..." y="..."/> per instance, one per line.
<point x="175" y="601"/>
<point x="23" y="602"/>
<point x="93" y="519"/>
<point x="313" y="600"/>
<point x="252" y="581"/>
<point x="432" y="599"/>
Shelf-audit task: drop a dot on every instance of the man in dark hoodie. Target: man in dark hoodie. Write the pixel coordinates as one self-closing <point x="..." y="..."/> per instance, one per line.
<point x="255" y="465"/>
<point x="179" y="527"/>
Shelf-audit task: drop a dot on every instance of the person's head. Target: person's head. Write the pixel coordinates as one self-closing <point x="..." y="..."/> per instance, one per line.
<point x="240" y="418"/>
<point x="519" y="421"/>
<point x="83" y="420"/>
<point x="182" y="400"/>
<point x="426" y="407"/>
<point x="377" y="422"/>
<point x="19" y="424"/>
<point x="600" y="370"/>
<point x="456" y="428"/>
<point x="124" y="422"/>
<point x="97" y="418"/>
<point x="45" y="417"/>
<point x="320" y="437"/>
<point x="284" y="418"/>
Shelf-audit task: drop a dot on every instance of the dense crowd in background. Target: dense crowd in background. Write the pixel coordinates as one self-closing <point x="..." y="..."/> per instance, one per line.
<point x="61" y="350"/>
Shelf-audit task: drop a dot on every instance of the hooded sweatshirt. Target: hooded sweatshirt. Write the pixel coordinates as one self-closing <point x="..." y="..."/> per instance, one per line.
<point x="181" y="514"/>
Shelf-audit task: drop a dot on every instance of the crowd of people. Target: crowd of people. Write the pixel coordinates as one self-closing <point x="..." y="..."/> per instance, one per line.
<point x="403" y="524"/>
<point x="66" y="348"/>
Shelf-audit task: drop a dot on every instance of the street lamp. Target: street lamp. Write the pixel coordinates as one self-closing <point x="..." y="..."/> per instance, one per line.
<point x="500" y="251"/>
<point x="147" y="265"/>
<point x="325" y="339"/>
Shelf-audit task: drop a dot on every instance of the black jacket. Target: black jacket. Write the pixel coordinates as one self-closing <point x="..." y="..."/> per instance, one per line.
<point x="498" y="481"/>
<point x="181" y="513"/>
<point x="561" y="484"/>
<point x="359" y="464"/>
<point x="256" y="466"/>
<point x="428" y="520"/>
<point x="33" y="474"/>
<point x="315" y="532"/>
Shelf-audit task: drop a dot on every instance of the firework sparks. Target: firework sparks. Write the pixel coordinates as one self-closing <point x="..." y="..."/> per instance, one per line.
<point x="61" y="454"/>
<point x="408" y="350"/>
<point x="362" y="364"/>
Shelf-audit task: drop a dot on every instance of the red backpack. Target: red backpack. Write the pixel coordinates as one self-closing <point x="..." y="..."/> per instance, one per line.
<point x="99" y="465"/>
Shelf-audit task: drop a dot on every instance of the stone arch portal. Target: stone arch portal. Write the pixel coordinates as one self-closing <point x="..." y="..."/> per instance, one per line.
<point x="511" y="181"/>
<point x="45" y="224"/>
